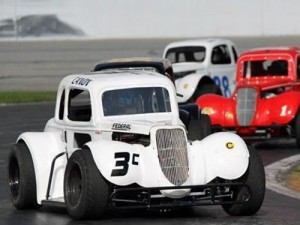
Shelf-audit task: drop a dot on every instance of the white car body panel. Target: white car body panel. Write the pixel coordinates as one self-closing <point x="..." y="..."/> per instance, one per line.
<point x="186" y="86"/>
<point x="44" y="146"/>
<point x="188" y="66"/>
<point x="206" y="161"/>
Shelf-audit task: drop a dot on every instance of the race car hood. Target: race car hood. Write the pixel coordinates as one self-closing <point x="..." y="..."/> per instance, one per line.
<point x="187" y="66"/>
<point x="265" y="84"/>
<point x="136" y="126"/>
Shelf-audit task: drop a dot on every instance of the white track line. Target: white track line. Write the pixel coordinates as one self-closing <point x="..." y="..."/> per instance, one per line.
<point x="275" y="170"/>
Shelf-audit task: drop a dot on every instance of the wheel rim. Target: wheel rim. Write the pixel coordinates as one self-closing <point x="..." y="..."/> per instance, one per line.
<point x="244" y="194"/>
<point x="74" y="185"/>
<point x="14" y="177"/>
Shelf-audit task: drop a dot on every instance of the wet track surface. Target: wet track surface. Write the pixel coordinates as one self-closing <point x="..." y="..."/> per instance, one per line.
<point x="15" y="119"/>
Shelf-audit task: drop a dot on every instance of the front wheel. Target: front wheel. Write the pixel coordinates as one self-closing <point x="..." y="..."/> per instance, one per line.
<point x="21" y="177"/>
<point x="255" y="179"/>
<point x="86" y="192"/>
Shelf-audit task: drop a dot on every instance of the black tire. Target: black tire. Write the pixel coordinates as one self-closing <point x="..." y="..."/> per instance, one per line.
<point x="297" y="128"/>
<point x="192" y="109"/>
<point x="199" y="129"/>
<point x="255" y="179"/>
<point x="210" y="88"/>
<point x="184" y="116"/>
<point x="21" y="177"/>
<point x="86" y="192"/>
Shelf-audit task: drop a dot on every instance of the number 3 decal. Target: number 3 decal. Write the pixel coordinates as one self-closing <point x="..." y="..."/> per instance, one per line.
<point x="123" y="161"/>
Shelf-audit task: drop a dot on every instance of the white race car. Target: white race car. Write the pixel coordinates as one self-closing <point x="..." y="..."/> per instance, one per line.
<point x="116" y="142"/>
<point x="202" y="66"/>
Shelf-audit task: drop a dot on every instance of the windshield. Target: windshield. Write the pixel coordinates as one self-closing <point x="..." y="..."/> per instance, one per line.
<point x="136" y="101"/>
<point x="267" y="67"/>
<point x="186" y="54"/>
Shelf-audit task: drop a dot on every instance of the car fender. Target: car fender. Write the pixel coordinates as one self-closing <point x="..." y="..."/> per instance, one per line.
<point x="221" y="110"/>
<point x="187" y="85"/>
<point x="284" y="107"/>
<point x="222" y="154"/>
<point x="124" y="164"/>
<point x="44" y="147"/>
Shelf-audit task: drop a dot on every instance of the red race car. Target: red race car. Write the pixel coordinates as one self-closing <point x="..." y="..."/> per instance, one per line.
<point x="267" y="96"/>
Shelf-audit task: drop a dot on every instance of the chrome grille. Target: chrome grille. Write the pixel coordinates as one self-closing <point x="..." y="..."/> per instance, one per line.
<point x="246" y="105"/>
<point x="172" y="153"/>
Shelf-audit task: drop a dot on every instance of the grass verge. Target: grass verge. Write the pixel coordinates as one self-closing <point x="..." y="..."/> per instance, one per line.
<point x="293" y="179"/>
<point x="26" y="96"/>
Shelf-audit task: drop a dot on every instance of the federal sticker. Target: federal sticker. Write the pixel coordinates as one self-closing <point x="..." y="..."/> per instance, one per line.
<point x="121" y="126"/>
<point x="229" y="145"/>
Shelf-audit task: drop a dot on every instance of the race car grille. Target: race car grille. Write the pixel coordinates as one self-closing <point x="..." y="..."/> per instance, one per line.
<point x="246" y="105"/>
<point x="172" y="153"/>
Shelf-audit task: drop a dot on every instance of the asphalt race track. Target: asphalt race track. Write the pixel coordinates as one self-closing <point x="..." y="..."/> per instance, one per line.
<point x="15" y="119"/>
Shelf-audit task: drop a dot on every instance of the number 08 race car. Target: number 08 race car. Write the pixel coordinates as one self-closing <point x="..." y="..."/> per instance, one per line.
<point x="202" y="66"/>
<point x="267" y="96"/>
<point x="116" y="142"/>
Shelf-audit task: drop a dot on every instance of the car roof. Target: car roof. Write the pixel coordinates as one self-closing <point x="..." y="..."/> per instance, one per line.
<point x="207" y="42"/>
<point x="291" y="50"/>
<point x="162" y="65"/>
<point x="133" y="62"/>
<point x="115" y="79"/>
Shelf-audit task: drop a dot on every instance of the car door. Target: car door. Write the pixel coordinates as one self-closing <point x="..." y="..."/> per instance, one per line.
<point x="79" y="127"/>
<point x="222" y="68"/>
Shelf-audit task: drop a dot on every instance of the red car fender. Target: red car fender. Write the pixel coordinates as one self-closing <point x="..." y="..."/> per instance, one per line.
<point x="220" y="109"/>
<point x="284" y="107"/>
<point x="263" y="113"/>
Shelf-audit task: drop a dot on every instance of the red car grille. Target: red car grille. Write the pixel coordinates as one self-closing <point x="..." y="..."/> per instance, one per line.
<point x="246" y="105"/>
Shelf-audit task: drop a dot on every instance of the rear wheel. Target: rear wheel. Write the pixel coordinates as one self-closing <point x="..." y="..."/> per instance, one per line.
<point x="255" y="179"/>
<point x="21" y="177"/>
<point x="86" y="192"/>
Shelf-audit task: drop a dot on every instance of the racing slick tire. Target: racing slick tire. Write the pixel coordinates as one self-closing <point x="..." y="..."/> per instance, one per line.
<point x="85" y="190"/>
<point x="254" y="177"/>
<point x="199" y="129"/>
<point x="210" y="88"/>
<point x="21" y="177"/>
<point x="297" y="128"/>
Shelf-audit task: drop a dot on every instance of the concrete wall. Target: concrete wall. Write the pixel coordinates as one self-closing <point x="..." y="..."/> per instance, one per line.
<point x="166" y="18"/>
